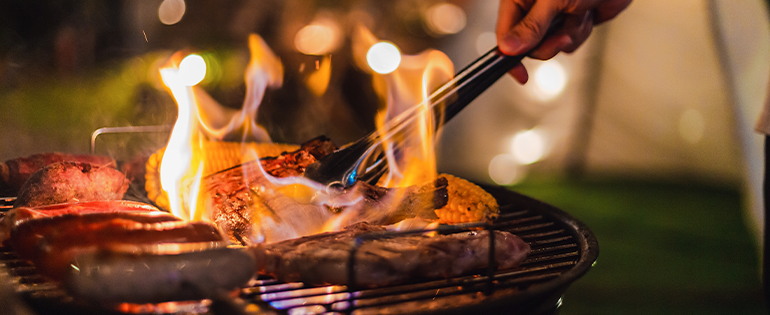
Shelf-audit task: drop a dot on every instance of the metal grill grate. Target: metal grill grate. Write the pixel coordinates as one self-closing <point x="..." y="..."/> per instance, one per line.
<point x="563" y="249"/>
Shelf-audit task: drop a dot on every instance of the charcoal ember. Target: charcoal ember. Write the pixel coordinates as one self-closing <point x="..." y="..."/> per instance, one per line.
<point x="64" y="182"/>
<point x="383" y="258"/>
<point x="14" y="172"/>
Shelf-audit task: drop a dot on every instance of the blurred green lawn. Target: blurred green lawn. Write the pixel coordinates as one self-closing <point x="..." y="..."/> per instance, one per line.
<point x="664" y="248"/>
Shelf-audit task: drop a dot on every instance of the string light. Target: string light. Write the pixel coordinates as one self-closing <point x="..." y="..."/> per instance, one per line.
<point x="383" y="57"/>
<point x="550" y="79"/>
<point x="528" y="146"/>
<point x="171" y="12"/>
<point x="192" y="70"/>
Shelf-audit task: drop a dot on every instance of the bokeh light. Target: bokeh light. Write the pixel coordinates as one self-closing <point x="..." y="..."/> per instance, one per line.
<point x="550" y="78"/>
<point x="383" y="57"/>
<point x="318" y="38"/>
<point x="692" y="125"/>
<point x="505" y="170"/>
<point x="171" y="12"/>
<point x="485" y="41"/>
<point x="528" y="146"/>
<point x="445" y="18"/>
<point x="192" y="70"/>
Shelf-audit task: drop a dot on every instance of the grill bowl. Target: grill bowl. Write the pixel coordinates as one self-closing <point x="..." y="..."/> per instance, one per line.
<point x="563" y="249"/>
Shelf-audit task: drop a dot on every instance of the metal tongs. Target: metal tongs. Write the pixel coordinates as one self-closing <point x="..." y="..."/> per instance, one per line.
<point x="364" y="159"/>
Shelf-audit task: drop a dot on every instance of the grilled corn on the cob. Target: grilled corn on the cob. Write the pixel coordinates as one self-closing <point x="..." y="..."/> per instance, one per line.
<point x="467" y="202"/>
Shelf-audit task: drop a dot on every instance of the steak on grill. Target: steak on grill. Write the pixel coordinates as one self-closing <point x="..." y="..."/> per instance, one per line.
<point x="384" y="259"/>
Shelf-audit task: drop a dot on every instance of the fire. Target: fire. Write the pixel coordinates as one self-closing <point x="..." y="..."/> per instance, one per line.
<point x="179" y="154"/>
<point x="202" y="119"/>
<point x="410" y="153"/>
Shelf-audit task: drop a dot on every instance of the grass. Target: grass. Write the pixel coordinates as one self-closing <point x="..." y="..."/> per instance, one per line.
<point x="664" y="248"/>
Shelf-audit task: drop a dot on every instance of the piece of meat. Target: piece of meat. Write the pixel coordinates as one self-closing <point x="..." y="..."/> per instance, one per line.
<point x="70" y="182"/>
<point x="384" y="259"/>
<point x="250" y="209"/>
<point x="27" y="234"/>
<point x="14" y="172"/>
<point x="18" y="215"/>
<point x="294" y="163"/>
<point x="57" y="251"/>
<point x="113" y="277"/>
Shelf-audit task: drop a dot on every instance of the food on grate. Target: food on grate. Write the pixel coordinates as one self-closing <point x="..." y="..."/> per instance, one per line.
<point x="244" y="203"/>
<point x="219" y="156"/>
<point x="18" y="215"/>
<point x="71" y="182"/>
<point x="27" y="234"/>
<point x="14" y="172"/>
<point x="383" y="259"/>
<point x="57" y="251"/>
<point x="467" y="202"/>
<point x="106" y="277"/>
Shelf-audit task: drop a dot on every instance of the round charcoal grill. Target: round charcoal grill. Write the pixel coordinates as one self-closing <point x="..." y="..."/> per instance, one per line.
<point x="563" y="249"/>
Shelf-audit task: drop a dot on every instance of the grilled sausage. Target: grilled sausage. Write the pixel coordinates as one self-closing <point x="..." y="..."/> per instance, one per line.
<point x="18" y="215"/>
<point x="26" y="235"/>
<point x="113" y="277"/>
<point x="56" y="251"/>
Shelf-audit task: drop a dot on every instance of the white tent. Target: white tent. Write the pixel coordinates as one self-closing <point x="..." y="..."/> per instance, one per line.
<point x="667" y="90"/>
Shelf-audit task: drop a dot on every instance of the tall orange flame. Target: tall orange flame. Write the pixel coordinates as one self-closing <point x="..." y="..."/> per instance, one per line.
<point x="201" y="118"/>
<point x="411" y="155"/>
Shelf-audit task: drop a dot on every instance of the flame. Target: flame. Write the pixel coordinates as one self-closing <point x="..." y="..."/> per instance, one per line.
<point x="201" y="118"/>
<point x="178" y="157"/>
<point x="264" y="70"/>
<point x="410" y="153"/>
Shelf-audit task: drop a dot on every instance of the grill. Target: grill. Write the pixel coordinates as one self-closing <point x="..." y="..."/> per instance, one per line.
<point x="563" y="249"/>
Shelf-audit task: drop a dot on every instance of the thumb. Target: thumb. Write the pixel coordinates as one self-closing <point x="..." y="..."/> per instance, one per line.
<point x="529" y="31"/>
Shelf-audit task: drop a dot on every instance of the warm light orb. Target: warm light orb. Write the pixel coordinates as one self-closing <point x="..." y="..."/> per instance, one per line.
<point x="692" y="125"/>
<point x="170" y="12"/>
<point x="383" y="57"/>
<point x="504" y="170"/>
<point x="317" y="39"/>
<point x="485" y="41"/>
<point x="445" y="18"/>
<point x="192" y="70"/>
<point x="550" y="79"/>
<point x="528" y="146"/>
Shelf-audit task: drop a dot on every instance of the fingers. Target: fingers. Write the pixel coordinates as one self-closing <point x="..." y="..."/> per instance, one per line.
<point x="578" y="28"/>
<point x="519" y="30"/>
<point x="519" y="73"/>
<point x="575" y="30"/>
<point x="609" y="9"/>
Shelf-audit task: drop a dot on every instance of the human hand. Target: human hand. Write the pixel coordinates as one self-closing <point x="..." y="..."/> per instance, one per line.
<point x="522" y="24"/>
